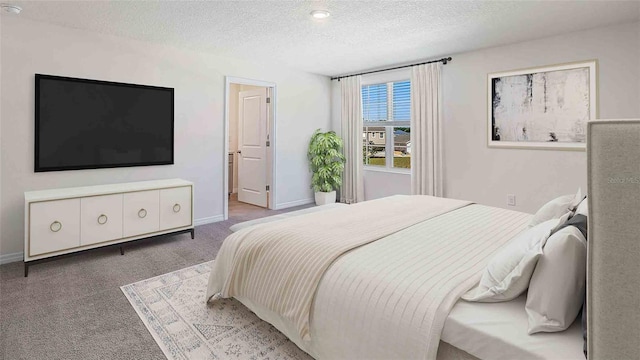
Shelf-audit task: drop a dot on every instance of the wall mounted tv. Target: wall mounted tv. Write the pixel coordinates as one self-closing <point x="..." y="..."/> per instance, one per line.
<point x="91" y="124"/>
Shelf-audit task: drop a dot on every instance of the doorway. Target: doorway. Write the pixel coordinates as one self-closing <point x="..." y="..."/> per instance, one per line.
<point x="249" y="176"/>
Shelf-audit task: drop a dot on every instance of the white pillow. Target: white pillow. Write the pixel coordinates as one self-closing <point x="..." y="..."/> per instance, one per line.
<point x="556" y="208"/>
<point x="509" y="271"/>
<point x="557" y="287"/>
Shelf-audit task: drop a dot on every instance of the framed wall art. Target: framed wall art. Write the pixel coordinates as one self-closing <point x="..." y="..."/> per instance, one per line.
<point x="542" y="108"/>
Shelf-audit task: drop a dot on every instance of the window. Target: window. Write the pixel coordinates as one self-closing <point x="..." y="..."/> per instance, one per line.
<point x="386" y="110"/>
<point x="374" y="102"/>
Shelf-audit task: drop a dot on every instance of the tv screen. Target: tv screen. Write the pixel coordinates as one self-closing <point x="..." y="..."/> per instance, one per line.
<point x="91" y="124"/>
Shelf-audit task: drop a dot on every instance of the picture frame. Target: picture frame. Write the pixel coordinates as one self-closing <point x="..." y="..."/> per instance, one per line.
<point x="544" y="107"/>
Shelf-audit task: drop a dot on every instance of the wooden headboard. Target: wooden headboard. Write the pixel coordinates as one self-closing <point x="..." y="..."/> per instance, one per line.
<point x="613" y="265"/>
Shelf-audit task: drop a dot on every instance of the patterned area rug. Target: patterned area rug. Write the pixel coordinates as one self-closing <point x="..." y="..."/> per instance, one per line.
<point x="173" y="308"/>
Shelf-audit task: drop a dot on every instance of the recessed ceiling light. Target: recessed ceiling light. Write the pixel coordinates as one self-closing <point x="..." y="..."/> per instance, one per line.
<point x="320" y="14"/>
<point x="11" y="9"/>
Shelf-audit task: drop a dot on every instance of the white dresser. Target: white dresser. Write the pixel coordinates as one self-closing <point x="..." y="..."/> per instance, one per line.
<point x="64" y="221"/>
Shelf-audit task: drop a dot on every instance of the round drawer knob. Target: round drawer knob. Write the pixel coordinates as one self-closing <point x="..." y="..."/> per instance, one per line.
<point x="55" y="226"/>
<point x="176" y="208"/>
<point x="102" y="219"/>
<point x="142" y="213"/>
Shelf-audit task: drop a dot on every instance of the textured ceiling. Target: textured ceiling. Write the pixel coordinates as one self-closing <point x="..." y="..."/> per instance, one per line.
<point x="358" y="35"/>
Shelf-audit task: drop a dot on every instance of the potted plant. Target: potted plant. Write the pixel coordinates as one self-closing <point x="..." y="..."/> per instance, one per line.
<point x="327" y="163"/>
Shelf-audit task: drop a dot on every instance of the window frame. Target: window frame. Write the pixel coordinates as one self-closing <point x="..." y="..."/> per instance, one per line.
<point x="389" y="126"/>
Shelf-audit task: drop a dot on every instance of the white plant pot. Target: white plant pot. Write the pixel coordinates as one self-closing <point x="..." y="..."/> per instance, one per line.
<point x="323" y="198"/>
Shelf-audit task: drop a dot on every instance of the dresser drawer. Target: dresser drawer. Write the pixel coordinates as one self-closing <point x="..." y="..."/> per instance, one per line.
<point x="141" y="212"/>
<point x="54" y="226"/>
<point x="175" y="207"/>
<point x="101" y="219"/>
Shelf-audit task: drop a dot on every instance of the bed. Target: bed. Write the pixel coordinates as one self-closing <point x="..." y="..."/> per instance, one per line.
<point x="498" y="331"/>
<point x="348" y="283"/>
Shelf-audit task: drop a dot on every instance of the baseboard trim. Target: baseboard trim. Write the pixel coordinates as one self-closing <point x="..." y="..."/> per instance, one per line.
<point x="13" y="257"/>
<point x="208" y="220"/>
<point x="294" y="203"/>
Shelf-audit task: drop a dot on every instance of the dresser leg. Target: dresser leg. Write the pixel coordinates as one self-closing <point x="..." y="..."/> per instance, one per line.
<point x="193" y="233"/>
<point x="26" y="269"/>
<point x="121" y="250"/>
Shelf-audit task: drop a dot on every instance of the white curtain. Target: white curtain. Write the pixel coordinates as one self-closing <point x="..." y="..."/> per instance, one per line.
<point x="352" y="182"/>
<point x="426" y="130"/>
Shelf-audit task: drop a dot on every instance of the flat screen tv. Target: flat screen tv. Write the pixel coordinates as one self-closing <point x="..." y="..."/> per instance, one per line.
<point x="91" y="124"/>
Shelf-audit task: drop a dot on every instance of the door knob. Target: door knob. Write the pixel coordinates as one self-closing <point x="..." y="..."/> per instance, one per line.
<point x="239" y="151"/>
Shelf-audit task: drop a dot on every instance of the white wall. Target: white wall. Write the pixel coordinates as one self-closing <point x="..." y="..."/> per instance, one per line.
<point x="198" y="78"/>
<point x="379" y="184"/>
<point x="475" y="172"/>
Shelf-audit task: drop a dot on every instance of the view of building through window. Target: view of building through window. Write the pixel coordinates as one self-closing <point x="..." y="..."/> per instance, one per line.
<point x="387" y="131"/>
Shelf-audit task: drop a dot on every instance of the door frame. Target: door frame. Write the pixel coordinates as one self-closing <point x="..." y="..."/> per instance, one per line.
<point x="271" y="128"/>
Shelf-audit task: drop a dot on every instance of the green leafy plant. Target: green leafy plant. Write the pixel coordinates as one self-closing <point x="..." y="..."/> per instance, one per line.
<point x="326" y="161"/>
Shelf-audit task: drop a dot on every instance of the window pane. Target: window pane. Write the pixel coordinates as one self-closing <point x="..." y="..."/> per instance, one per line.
<point x="402" y="147"/>
<point x="376" y="156"/>
<point x="374" y="102"/>
<point x="402" y="101"/>
<point x="372" y="137"/>
<point x="373" y="149"/>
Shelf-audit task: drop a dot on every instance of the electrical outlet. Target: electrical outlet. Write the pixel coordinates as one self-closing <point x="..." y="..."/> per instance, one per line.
<point x="511" y="200"/>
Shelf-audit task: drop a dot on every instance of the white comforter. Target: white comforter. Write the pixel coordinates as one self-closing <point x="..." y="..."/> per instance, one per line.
<point x="388" y="299"/>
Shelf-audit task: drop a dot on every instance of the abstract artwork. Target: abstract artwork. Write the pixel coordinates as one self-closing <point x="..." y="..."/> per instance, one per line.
<point x="546" y="108"/>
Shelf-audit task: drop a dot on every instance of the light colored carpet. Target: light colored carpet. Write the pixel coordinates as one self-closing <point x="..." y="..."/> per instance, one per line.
<point x="73" y="308"/>
<point x="173" y="308"/>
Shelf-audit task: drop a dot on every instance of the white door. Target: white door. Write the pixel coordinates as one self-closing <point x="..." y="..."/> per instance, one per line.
<point x="252" y="147"/>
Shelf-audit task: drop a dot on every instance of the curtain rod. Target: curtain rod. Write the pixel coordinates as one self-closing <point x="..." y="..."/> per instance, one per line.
<point x="443" y="60"/>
